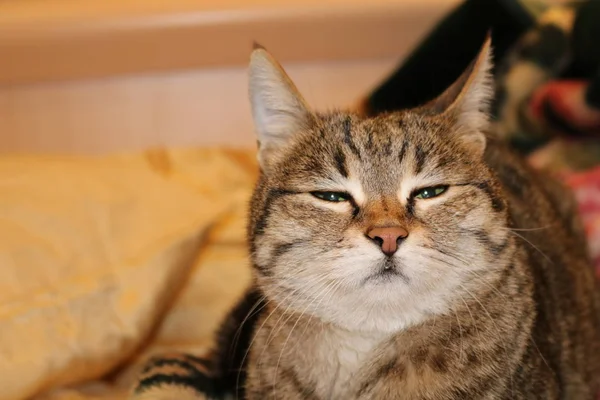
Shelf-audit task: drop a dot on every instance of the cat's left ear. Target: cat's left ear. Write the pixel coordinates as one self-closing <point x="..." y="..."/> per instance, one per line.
<point x="278" y="109"/>
<point x="468" y="100"/>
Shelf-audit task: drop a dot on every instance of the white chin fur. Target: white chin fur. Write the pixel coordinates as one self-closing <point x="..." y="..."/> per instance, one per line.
<point x="345" y="300"/>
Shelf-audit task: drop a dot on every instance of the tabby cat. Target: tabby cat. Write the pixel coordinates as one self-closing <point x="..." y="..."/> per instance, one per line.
<point x="402" y="256"/>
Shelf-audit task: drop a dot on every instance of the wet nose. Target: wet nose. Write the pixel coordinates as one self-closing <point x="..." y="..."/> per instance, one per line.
<point x="388" y="238"/>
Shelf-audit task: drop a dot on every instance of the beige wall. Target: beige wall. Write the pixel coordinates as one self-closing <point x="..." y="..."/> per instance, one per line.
<point x="205" y="107"/>
<point x="112" y="75"/>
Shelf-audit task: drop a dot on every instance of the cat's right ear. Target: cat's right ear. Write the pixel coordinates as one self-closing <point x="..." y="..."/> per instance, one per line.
<point x="278" y="109"/>
<point x="467" y="101"/>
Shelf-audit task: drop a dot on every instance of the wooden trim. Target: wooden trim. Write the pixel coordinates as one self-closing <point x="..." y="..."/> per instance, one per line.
<point x="44" y="40"/>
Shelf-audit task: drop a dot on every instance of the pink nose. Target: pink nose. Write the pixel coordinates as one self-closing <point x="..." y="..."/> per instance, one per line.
<point x="387" y="238"/>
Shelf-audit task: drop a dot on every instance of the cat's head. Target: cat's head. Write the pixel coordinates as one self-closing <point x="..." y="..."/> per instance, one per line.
<point x="373" y="223"/>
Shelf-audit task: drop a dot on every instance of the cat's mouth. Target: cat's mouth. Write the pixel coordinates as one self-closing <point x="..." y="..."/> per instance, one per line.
<point x="388" y="271"/>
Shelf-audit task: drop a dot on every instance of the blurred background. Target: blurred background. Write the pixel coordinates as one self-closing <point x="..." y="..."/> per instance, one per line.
<point x="118" y="75"/>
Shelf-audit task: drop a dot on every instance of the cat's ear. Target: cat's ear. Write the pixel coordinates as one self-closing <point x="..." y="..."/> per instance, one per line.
<point x="468" y="100"/>
<point x="278" y="109"/>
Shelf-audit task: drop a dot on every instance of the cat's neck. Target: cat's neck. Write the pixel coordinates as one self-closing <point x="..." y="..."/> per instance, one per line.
<point x="326" y="355"/>
<point x="333" y="356"/>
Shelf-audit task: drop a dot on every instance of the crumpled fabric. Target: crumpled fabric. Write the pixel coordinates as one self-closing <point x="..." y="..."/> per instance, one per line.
<point x="94" y="251"/>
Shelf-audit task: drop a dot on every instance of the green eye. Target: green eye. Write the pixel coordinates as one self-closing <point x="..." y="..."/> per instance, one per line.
<point x="430" y="192"/>
<point x="335" y="197"/>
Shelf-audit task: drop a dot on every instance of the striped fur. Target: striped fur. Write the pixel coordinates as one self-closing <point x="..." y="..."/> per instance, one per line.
<point x="185" y="376"/>
<point x="490" y="296"/>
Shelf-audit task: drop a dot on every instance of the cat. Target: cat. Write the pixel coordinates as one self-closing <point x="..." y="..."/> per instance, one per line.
<point x="409" y="255"/>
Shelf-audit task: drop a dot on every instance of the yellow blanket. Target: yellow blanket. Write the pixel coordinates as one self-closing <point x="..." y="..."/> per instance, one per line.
<point x="105" y="261"/>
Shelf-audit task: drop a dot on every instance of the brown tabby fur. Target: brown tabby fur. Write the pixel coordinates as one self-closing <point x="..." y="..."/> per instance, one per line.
<point x="492" y="295"/>
<point x="530" y="331"/>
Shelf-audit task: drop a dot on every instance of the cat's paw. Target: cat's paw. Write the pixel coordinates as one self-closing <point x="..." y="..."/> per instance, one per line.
<point x="176" y="377"/>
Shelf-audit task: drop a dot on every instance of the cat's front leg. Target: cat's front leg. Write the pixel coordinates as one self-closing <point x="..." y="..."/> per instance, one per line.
<point x="178" y="377"/>
<point x="220" y="376"/>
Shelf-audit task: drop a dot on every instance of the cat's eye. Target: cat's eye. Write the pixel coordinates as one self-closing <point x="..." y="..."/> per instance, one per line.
<point x="430" y="192"/>
<point x="334" y="197"/>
